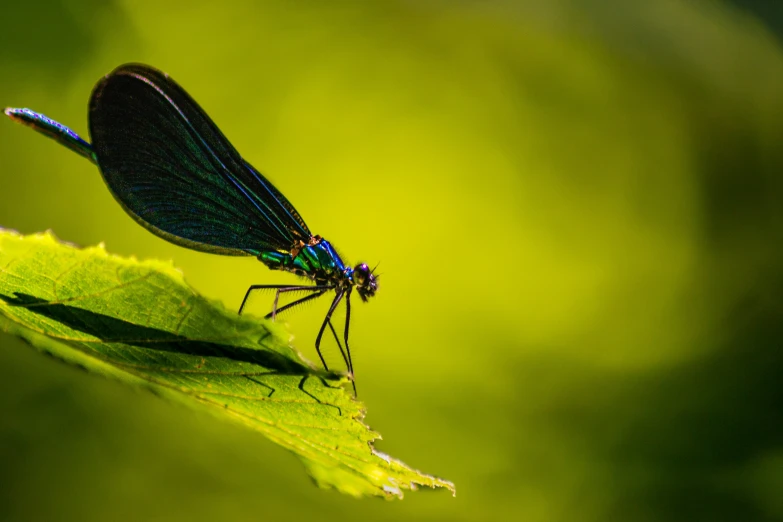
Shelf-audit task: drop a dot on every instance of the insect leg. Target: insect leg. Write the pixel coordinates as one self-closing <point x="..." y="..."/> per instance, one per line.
<point x="267" y="287"/>
<point x="318" y="293"/>
<point x="339" y="345"/>
<point x="294" y="289"/>
<point x="336" y="301"/>
<point x="349" y="361"/>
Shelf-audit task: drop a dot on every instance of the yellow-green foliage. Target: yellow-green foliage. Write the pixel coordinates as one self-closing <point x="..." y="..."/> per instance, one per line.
<point x="576" y="208"/>
<point x="139" y="322"/>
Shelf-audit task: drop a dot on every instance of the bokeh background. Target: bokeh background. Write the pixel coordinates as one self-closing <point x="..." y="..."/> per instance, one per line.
<point x="577" y="210"/>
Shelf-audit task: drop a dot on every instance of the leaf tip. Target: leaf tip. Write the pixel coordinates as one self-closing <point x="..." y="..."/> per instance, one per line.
<point x="413" y="478"/>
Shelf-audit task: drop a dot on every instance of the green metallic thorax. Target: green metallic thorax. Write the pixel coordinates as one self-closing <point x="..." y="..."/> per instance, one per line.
<point x="319" y="262"/>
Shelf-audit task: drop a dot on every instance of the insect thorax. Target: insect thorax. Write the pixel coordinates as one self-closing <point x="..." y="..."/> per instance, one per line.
<point x="318" y="262"/>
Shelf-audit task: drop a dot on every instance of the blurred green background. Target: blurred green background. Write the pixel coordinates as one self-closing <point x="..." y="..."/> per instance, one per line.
<point x="577" y="210"/>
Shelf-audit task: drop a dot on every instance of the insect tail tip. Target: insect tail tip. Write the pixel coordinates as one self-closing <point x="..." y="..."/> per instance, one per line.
<point x="14" y="113"/>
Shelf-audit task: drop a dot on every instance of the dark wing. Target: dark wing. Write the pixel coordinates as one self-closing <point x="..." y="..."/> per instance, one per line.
<point x="175" y="173"/>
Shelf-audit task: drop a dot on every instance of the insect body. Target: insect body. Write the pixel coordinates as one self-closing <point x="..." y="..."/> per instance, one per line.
<point x="174" y="172"/>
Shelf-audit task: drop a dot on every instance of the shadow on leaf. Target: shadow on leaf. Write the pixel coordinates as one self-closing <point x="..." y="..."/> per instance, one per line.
<point x="113" y="330"/>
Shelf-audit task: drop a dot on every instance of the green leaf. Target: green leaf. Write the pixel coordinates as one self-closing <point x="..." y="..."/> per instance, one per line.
<point x="140" y="323"/>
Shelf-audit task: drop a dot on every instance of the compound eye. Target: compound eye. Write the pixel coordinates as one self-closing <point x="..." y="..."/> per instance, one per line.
<point x="361" y="273"/>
